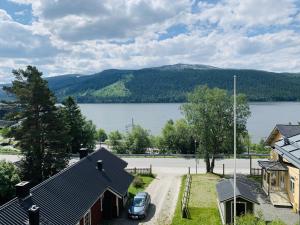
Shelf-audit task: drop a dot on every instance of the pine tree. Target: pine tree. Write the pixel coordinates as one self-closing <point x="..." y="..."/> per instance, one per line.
<point x="41" y="132"/>
<point x="75" y="121"/>
<point x="83" y="132"/>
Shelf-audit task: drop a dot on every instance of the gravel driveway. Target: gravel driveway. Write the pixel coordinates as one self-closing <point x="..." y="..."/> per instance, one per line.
<point x="164" y="191"/>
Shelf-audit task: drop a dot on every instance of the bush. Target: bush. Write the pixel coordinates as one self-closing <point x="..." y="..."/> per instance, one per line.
<point x="138" y="182"/>
<point x="250" y="219"/>
<point x="9" y="177"/>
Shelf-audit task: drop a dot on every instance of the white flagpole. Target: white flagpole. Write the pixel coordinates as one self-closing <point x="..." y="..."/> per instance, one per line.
<point x="234" y="136"/>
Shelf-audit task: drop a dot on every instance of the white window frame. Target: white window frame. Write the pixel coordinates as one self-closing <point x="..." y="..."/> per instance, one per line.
<point x="90" y="219"/>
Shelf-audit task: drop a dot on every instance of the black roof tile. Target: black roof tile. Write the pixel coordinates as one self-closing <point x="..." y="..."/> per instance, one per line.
<point x="64" y="198"/>
<point x="288" y="130"/>
<point x="225" y="191"/>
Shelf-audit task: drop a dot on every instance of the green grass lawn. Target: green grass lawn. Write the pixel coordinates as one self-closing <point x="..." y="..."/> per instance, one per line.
<point x="203" y="202"/>
<point x="146" y="179"/>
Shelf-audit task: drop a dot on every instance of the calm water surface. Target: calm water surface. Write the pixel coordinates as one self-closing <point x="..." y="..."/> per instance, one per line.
<point x="111" y="117"/>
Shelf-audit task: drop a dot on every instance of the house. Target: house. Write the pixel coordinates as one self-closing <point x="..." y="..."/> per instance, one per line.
<point x="94" y="188"/>
<point x="280" y="174"/>
<point x="245" y="200"/>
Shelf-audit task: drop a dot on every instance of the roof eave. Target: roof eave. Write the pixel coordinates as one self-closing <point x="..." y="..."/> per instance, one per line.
<point x="241" y="196"/>
<point x="286" y="155"/>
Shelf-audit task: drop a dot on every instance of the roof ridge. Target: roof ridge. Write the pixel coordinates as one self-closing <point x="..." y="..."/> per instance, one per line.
<point x="64" y="170"/>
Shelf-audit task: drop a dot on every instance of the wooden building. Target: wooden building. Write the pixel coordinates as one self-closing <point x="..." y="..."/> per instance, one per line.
<point x="280" y="174"/>
<point x="94" y="188"/>
<point x="245" y="200"/>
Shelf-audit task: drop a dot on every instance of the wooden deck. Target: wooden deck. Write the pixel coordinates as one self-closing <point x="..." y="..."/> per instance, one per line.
<point x="280" y="199"/>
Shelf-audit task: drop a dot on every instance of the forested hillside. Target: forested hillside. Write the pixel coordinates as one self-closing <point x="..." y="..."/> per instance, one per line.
<point x="171" y="83"/>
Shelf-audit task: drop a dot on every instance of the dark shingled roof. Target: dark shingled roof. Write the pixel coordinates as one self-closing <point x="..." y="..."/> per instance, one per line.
<point x="225" y="191"/>
<point x="64" y="198"/>
<point x="288" y="130"/>
<point x="273" y="165"/>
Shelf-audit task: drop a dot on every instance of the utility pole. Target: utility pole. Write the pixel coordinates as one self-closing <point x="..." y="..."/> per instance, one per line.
<point x="234" y="136"/>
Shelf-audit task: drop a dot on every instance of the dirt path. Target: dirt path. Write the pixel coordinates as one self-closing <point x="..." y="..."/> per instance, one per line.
<point x="164" y="191"/>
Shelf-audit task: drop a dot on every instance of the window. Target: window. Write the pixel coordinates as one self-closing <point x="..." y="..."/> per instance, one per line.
<point x="87" y="218"/>
<point x="292" y="185"/>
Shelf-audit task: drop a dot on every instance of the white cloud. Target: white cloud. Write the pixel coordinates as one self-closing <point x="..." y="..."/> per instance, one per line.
<point x="248" y="13"/>
<point x="19" y="41"/>
<point x="77" y="20"/>
<point x="4" y="16"/>
<point x="87" y="36"/>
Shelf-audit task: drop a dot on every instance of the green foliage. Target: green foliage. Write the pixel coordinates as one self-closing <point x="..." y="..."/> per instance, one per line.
<point x="138" y="182"/>
<point x="138" y="140"/>
<point x="250" y="219"/>
<point x="81" y="131"/>
<point x="167" y="141"/>
<point x="172" y="84"/>
<point x="260" y="147"/>
<point x="117" y="89"/>
<point x="89" y="135"/>
<point x="177" y="138"/>
<point x="146" y="181"/>
<point x="5" y="132"/>
<point x="116" y="141"/>
<point x="101" y="135"/>
<point x="42" y="135"/>
<point x="210" y="114"/>
<point x="9" y="177"/>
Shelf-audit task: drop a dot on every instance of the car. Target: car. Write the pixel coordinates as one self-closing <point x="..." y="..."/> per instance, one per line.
<point x="139" y="206"/>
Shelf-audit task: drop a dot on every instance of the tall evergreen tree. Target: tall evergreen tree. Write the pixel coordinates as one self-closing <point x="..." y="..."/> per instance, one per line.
<point x="72" y="116"/>
<point x="41" y="134"/>
<point x="82" y="132"/>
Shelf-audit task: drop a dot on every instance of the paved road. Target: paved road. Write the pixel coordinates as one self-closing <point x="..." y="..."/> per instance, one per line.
<point x="175" y="165"/>
<point x="180" y="165"/>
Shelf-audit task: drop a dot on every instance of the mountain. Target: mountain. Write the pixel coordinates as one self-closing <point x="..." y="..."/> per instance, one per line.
<point x="170" y="83"/>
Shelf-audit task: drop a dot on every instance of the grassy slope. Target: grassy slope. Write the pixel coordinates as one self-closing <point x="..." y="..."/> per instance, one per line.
<point x="117" y="89"/>
<point x="203" y="203"/>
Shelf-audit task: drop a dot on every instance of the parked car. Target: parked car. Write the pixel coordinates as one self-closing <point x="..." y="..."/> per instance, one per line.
<point x="139" y="206"/>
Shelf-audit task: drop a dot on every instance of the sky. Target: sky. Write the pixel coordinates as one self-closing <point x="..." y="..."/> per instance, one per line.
<point x="88" y="36"/>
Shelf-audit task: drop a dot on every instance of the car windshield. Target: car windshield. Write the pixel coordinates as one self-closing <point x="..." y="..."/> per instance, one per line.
<point x="138" y="202"/>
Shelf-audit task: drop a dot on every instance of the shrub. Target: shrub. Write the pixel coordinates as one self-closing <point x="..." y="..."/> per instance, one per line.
<point x="9" y="177"/>
<point x="138" y="182"/>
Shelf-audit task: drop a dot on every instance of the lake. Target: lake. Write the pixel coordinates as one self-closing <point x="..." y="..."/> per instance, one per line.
<point x="153" y="117"/>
